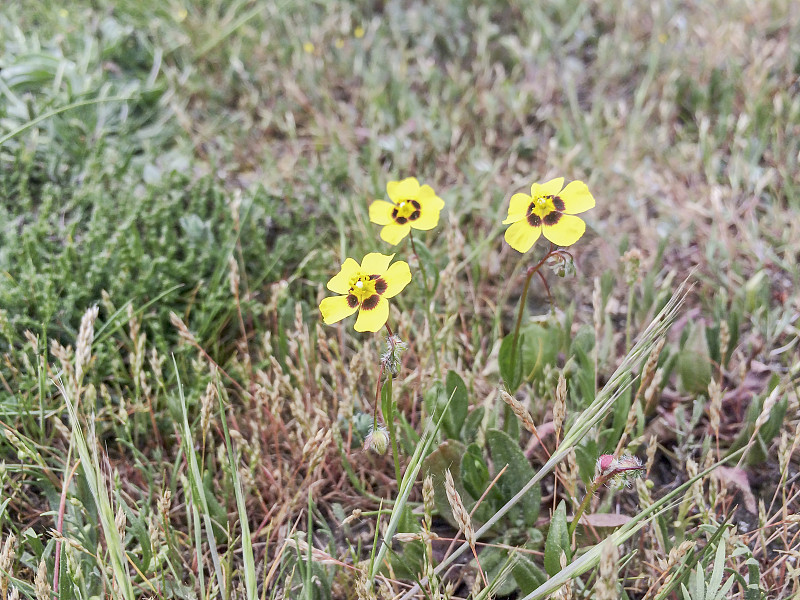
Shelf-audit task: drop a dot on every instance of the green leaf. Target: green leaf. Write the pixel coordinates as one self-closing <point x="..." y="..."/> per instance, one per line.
<point x="505" y="451"/>
<point x="753" y="591"/>
<point x="474" y="472"/>
<point x="694" y="364"/>
<point x="447" y="456"/>
<point x="386" y="401"/>
<point x="557" y="541"/>
<point x="527" y="575"/>
<point x="428" y="261"/>
<point x="537" y="346"/>
<point x="454" y="421"/>
<point x="586" y="455"/>
<point x="510" y="369"/>
<point x="493" y="562"/>
<point x="472" y="424"/>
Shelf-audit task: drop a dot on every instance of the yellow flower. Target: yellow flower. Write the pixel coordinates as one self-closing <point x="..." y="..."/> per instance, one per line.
<point x="359" y="32"/>
<point x="549" y="210"/>
<point x="308" y="47"/>
<point x="411" y="205"/>
<point x="367" y="288"/>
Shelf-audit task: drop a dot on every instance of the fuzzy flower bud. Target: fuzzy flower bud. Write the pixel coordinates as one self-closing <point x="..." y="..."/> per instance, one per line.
<point x="377" y="440"/>
<point x="390" y="359"/>
<point x="615" y="471"/>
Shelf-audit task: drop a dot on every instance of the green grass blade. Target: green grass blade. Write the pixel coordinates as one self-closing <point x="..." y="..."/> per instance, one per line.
<point x="196" y="482"/>
<point x="92" y="471"/>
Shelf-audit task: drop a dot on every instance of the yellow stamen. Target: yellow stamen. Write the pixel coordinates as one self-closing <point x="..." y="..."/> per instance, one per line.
<point x="361" y="286"/>
<point x="542" y="206"/>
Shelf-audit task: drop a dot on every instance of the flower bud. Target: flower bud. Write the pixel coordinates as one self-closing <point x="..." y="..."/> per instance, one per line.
<point x="377" y="440"/>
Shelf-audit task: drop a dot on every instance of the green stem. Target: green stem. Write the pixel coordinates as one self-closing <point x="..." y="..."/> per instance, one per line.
<point x="628" y="319"/>
<point x="530" y="273"/>
<point x="388" y="416"/>
<point x="393" y="438"/>
<point x="589" y="493"/>
<point x="428" y="300"/>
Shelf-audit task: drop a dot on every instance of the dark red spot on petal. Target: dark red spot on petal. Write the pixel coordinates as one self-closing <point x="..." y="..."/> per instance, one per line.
<point x="552" y="218"/>
<point x="400" y="220"/>
<point x="534" y="220"/>
<point x="415" y="204"/>
<point x="558" y="203"/>
<point x="394" y="213"/>
<point x="380" y="284"/>
<point x="352" y="301"/>
<point x="414" y="216"/>
<point x="371" y="302"/>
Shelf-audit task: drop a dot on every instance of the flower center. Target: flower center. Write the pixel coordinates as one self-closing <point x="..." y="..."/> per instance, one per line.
<point x="405" y="211"/>
<point x="362" y="286"/>
<point x="365" y="290"/>
<point x="542" y="206"/>
<point x="547" y="209"/>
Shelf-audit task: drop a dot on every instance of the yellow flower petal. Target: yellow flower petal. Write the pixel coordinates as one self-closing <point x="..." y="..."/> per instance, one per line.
<point x="396" y="277"/>
<point x="521" y="236"/>
<point x="577" y="198"/>
<point x="407" y="189"/>
<point x="428" y="219"/>
<point x="374" y="319"/>
<point x="340" y="283"/>
<point x="428" y="198"/>
<point x="375" y="263"/>
<point x="517" y="208"/>
<point x="549" y="188"/>
<point x="380" y="212"/>
<point x="393" y="233"/>
<point x="566" y="232"/>
<point x="336" y="308"/>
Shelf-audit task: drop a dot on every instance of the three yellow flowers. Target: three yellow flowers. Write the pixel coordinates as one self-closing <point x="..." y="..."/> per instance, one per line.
<point x="549" y="210"/>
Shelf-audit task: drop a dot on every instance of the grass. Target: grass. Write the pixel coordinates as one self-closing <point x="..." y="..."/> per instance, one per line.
<point x="198" y="171"/>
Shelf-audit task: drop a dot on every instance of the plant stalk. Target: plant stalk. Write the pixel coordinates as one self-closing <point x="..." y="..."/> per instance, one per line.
<point x="428" y="300"/>
<point x="530" y="272"/>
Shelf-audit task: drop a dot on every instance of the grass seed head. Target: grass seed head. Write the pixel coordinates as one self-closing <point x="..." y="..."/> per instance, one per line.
<point x="632" y="266"/>
<point x="83" y="347"/>
<point x="460" y="512"/>
<point x="652" y="446"/>
<point x="560" y="404"/>
<point x="7" y="557"/>
<point x="428" y="499"/>
<point x="715" y="405"/>
<point x="364" y="588"/>
<point x="606" y="585"/>
<point x="519" y="410"/>
<point x="183" y="330"/>
<point x="724" y="341"/>
<point x="41" y="585"/>
<point x="769" y="404"/>
<point x="207" y="407"/>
